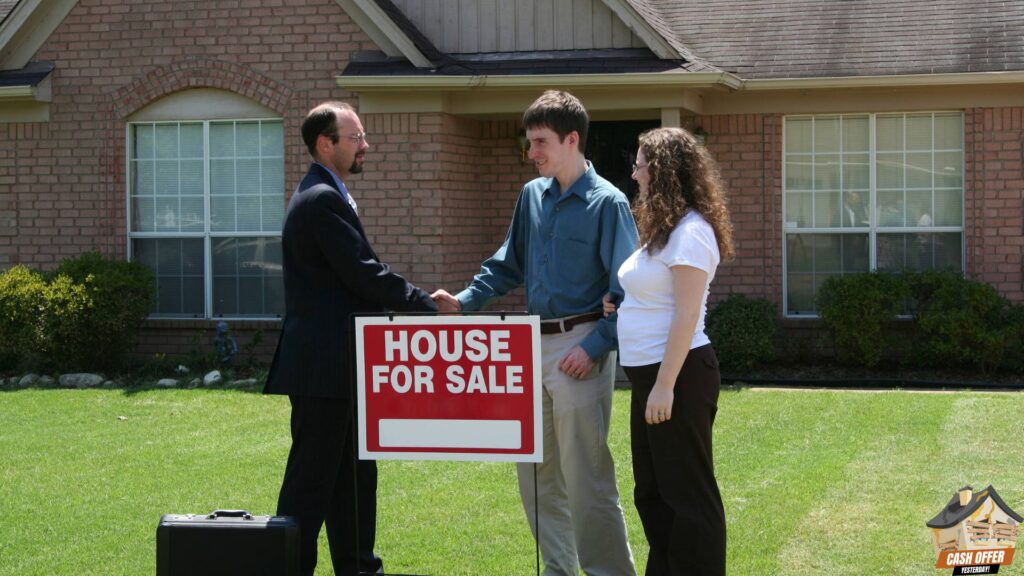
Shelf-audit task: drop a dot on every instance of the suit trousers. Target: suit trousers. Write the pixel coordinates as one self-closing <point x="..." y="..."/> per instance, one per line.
<point x="676" y="493"/>
<point x="581" y="522"/>
<point x="324" y="482"/>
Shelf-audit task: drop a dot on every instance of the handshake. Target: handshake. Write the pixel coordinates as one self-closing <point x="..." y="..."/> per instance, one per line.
<point x="446" y="302"/>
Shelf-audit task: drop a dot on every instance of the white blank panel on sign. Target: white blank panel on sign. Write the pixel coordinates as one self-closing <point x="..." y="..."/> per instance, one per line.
<point x="477" y="434"/>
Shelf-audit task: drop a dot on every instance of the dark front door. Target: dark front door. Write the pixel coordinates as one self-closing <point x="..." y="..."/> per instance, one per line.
<point x="611" y="146"/>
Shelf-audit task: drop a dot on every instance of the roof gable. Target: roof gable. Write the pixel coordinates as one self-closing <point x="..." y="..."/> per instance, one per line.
<point x="954" y="513"/>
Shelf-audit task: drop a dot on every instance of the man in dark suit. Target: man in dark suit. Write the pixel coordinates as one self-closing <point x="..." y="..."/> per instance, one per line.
<point x="330" y="273"/>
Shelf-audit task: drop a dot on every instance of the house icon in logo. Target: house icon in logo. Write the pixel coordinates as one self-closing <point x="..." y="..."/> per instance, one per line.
<point x="975" y="530"/>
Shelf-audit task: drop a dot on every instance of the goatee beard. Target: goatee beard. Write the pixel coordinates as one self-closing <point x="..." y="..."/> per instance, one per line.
<point x="356" y="168"/>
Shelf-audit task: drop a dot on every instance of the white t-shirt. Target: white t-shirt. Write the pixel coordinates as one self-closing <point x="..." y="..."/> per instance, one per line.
<point x="645" y="315"/>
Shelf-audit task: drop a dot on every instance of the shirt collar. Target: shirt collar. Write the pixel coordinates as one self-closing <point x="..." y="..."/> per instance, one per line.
<point x="337" y="181"/>
<point x="581" y="187"/>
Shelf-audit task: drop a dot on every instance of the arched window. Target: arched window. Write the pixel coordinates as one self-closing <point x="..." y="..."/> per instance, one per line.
<point x="206" y="202"/>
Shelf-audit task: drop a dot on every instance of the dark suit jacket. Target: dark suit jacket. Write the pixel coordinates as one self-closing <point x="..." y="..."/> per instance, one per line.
<point x="330" y="273"/>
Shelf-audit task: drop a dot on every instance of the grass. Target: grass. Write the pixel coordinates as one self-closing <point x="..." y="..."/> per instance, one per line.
<point x="814" y="482"/>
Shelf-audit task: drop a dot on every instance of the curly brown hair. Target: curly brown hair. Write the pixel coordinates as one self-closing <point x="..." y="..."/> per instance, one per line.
<point x="682" y="175"/>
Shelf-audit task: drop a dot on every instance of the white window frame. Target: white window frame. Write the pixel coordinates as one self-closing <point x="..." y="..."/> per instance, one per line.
<point x="873" y="230"/>
<point x="207" y="234"/>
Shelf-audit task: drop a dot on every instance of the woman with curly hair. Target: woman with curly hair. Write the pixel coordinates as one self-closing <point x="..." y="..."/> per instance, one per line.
<point x="685" y="232"/>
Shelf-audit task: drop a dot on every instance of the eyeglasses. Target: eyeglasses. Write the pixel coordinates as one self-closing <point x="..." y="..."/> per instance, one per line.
<point x="358" y="137"/>
<point x="637" y="166"/>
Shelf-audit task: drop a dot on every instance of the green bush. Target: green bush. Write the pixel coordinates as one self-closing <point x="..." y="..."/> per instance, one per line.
<point x="122" y="295"/>
<point x="856" y="310"/>
<point x="62" y="338"/>
<point x="21" y="294"/>
<point x="961" y="323"/>
<point x="742" y="331"/>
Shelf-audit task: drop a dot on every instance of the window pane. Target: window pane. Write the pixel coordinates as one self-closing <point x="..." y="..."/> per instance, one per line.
<point x="271" y="140"/>
<point x="167" y="215"/>
<point x="889" y="170"/>
<point x="854" y="211"/>
<point x="142" y="142"/>
<point x="167" y="177"/>
<point x="798" y="210"/>
<point x="247" y="139"/>
<point x="247" y="213"/>
<point x="222" y="139"/>
<point x="191" y="214"/>
<point x="919" y="132"/>
<point x="143" y="214"/>
<point x="856" y="137"/>
<point x="890" y="208"/>
<point x="949" y="131"/>
<point x="798" y="173"/>
<point x="826" y="209"/>
<point x="247" y="277"/>
<point x="826" y="172"/>
<point x="920" y="251"/>
<point x="800" y="294"/>
<point x="191" y="177"/>
<point x="166" y="140"/>
<point x="919" y="208"/>
<point x="273" y="213"/>
<point x="798" y="135"/>
<point x="856" y="171"/>
<point x="949" y="170"/>
<point x="191" y="141"/>
<point x="949" y="207"/>
<point x="142" y="178"/>
<point x="222" y="177"/>
<point x="889" y="133"/>
<point x="272" y="177"/>
<point x="826" y="134"/>
<point x="222" y="213"/>
<point x="247" y="177"/>
<point x="812" y="258"/>
<point x="919" y="170"/>
<point x="177" y="265"/>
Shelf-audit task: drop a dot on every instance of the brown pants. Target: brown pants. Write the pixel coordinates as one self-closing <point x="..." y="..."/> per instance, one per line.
<point x="676" y="492"/>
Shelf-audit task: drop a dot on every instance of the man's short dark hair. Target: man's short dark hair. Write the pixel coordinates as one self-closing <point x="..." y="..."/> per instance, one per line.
<point x="322" y="120"/>
<point x="561" y="112"/>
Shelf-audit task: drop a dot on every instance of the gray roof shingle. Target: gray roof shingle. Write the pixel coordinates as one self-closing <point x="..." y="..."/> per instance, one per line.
<point x="759" y="39"/>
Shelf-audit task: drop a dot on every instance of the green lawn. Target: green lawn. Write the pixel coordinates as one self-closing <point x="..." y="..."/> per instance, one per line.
<point x="814" y="482"/>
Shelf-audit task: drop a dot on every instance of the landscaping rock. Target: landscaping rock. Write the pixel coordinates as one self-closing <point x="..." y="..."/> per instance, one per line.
<point x="182" y="369"/>
<point x="28" y="380"/>
<point x="167" y="383"/>
<point x="82" y="380"/>
<point x="47" y="382"/>
<point x="109" y="384"/>
<point x="211" y="378"/>
<point x="245" y="382"/>
<point x="195" y="383"/>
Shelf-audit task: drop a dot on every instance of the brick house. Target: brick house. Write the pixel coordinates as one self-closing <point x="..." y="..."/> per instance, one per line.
<point x="852" y="135"/>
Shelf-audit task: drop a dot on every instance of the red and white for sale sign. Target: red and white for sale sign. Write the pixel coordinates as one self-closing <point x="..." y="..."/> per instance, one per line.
<point x="449" y="388"/>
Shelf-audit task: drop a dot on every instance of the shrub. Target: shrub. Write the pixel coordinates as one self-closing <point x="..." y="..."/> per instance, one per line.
<point x="742" y="331"/>
<point x="856" y="309"/>
<point x="122" y="295"/>
<point x="961" y="323"/>
<point x="21" y="293"/>
<point x="62" y="336"/>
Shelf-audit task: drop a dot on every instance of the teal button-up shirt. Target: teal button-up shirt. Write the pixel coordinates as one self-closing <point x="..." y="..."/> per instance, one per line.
<point x="567" y="249"/>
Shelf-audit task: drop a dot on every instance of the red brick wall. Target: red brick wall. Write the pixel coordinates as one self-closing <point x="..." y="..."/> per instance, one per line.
<point x="748" y="150"/>
<point x="994" y="198"/>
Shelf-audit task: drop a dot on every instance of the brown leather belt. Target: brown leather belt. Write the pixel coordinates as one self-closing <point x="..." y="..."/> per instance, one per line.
<point x="562" y="325"/>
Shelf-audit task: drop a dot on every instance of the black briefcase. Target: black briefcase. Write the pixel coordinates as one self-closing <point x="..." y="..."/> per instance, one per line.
<point x="227" y="542"/>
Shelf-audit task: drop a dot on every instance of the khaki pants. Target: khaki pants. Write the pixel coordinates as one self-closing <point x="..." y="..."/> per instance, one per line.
<point x="581" y="521"/>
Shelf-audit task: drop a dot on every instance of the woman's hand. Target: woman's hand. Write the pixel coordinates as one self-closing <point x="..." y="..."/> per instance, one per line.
<point x="609" y="306"/>
<point x="659" y="405"/>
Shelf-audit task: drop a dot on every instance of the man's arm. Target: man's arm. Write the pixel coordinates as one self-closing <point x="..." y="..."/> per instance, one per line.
<point x="502" y="272"/>
<point x="619" y="240"/>
<point x="352" y="260"/>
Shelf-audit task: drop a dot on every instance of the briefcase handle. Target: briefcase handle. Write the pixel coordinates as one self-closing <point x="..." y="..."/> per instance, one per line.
<point x="243" y="514"/>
